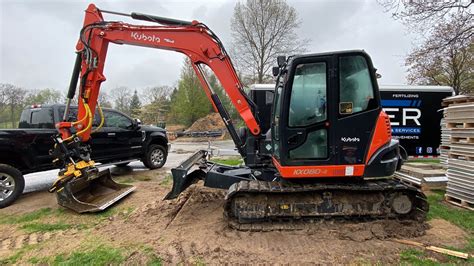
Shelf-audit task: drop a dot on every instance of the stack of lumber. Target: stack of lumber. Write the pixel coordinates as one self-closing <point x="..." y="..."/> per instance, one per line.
<point x="459" y="119"/>
<point x="423" y="175"/>
<point x="445" y="144"/>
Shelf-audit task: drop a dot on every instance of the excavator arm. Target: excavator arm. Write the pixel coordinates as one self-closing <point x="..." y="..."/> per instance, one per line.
<point x="193" y="39"/>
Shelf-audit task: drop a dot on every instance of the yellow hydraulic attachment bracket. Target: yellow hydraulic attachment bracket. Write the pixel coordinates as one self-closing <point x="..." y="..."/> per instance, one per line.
<point x="72" y="171"/>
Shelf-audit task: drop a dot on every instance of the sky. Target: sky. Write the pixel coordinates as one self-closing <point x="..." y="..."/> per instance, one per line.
<point x="38" y="38"/>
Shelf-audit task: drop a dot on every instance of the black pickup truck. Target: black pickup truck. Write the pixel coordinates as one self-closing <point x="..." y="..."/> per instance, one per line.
<point x="120" y="141"/>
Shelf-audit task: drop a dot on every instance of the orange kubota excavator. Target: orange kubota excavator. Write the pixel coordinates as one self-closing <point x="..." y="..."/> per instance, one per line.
<point x="327" y="150"/>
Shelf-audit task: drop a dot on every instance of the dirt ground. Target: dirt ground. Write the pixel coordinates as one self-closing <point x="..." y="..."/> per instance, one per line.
<point x="192" y="230"/>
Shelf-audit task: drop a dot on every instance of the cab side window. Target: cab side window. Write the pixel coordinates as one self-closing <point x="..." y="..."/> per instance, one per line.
<point x="308" y="107"/>
<point x="113" y="119"/>
<point x="356" y="93"/>
<point x="308" y="95"/>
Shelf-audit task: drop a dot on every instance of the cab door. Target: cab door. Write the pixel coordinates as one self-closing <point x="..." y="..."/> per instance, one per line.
<point x="358" y="107"/>
<point x="304" y="127"/>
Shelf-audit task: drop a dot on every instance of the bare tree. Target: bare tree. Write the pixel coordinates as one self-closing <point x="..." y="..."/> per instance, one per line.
<point x="444" y="54"/>
<point x="262" y="30"/>
<point x="104" y="99"/>
<point x="43" y="96"/>
<point x="453" y="65"/>
<point x="425" y="16"/>
<point x="3" y="98"/>
<point x="157" y="94"/>
<point x="122" y="97"/>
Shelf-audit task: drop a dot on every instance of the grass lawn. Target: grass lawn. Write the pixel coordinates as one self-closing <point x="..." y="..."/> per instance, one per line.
<point x="421" y="160"/>
<point x="232" y="161"/>
<point x="441" y="210"/>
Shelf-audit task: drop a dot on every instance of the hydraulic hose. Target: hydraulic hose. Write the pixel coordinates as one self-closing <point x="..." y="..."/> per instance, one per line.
<point x="89" y="115"/>
<point x="89" y="124"/>
<point x="102" y="120"/>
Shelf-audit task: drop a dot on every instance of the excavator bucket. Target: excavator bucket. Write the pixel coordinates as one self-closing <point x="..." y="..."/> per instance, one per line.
<point x="92" y="193"/>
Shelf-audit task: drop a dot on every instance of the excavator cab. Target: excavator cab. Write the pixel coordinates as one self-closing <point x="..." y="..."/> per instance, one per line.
<point x="326" y="117"/>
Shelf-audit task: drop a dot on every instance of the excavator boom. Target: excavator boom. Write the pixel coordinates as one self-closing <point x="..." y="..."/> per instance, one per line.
<point x="193" y="39"/>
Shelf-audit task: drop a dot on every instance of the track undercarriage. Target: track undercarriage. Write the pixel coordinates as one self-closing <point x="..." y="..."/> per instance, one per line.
<point x="253" y="204"/>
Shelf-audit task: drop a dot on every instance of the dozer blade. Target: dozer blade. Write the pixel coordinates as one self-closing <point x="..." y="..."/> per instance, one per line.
<point x="92" y="193"/>
<point x="181" y="179"/>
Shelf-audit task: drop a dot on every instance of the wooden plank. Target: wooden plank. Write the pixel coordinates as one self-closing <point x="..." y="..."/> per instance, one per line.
<point x="461" y="156"/>
<point x="459" y="202"/>
<point x="446" y="251"/>
<point x="457" y="100"/>
<point x="419" y="182"/>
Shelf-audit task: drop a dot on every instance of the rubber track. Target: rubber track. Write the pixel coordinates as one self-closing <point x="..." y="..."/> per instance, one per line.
<point x="418" y="213"/>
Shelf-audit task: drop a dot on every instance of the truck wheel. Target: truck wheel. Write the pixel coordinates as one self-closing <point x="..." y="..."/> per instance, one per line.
<point x="155" y="156"/>
<point x="12" y="184"/>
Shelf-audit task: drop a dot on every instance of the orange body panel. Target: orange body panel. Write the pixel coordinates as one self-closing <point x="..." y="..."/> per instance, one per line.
<point x="320" y="171"/>
<point x="63" y="128"/>
<point x="381" y="136"/>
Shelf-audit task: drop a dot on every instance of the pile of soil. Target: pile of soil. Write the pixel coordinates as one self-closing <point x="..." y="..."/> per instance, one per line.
<point x="210" y="122"/>
<point x="175" y="128"/>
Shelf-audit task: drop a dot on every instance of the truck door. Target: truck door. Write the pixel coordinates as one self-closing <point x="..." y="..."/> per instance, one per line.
<point x="120" y="130"/>
<point x="101" y="147"/>
<point x="41" y="124"/>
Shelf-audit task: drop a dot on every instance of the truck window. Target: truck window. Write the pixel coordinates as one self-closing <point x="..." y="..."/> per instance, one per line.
<point x="42" y="118"/>
<point x="73" y="115"/>
<point x="113" y="119"/>
<point x="25" y="119"/>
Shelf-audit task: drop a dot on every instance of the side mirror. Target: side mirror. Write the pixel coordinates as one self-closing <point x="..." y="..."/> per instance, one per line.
<point x="275" y="71"/>
<point x="377" y="75"/>
<point x="281" y="60"/>
<point x="136" y="123"/>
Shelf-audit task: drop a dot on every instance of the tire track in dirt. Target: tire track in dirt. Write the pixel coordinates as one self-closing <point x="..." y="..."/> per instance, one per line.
<point x="18" y="242"/>
<point x="192" y="229"/>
